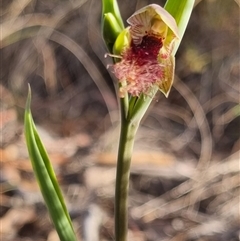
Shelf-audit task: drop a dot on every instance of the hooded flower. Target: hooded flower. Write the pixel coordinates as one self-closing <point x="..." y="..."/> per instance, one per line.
<point x="146" y="58"/>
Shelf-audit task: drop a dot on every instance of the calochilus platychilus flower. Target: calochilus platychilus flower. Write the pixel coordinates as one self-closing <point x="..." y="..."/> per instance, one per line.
<point x="145" y="52"/>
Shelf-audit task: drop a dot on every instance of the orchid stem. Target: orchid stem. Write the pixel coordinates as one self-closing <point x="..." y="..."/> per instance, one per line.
<point x="129" y="127"/>
<point x="127" y="137"/>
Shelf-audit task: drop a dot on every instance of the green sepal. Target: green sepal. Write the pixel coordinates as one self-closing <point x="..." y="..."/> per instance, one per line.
<point x="111" y="6"/>
<point x="111" y="23"/>
<point x="181" y="11"/>
<point x="111" y="30"/>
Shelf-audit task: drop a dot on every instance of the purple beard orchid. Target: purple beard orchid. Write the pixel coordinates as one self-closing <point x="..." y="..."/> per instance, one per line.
<point x="147" y="60"/>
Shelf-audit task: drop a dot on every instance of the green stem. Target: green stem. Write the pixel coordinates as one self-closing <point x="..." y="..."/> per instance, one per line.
<point x="127" y="136"/>
<point x="131" y="115"/>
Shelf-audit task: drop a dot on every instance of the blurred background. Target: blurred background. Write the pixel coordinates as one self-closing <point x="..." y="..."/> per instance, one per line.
<point x="185" y="182"/>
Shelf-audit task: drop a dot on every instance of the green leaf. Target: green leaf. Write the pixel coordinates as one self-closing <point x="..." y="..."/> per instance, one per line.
<point x="46" y="178"/>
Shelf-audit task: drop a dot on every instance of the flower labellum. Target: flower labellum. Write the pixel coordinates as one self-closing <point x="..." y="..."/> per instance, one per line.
<point x="146" y="60"/>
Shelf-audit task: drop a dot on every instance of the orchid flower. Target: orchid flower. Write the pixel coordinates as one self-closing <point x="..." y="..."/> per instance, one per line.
<point x="143" y="55"/>
<point x="146" y="56"/>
